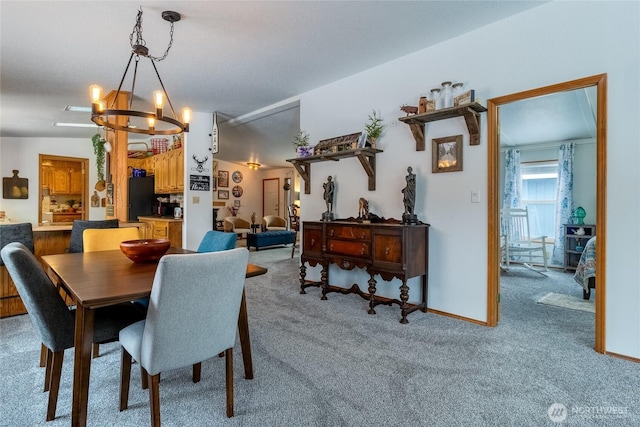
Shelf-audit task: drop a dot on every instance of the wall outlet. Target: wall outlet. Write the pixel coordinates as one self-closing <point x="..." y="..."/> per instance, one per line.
<point x="196" y="200"/>
<point x="475" y="198"/>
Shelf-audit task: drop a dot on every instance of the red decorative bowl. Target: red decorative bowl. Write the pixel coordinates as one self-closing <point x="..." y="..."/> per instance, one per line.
<point x="145" y="250"/>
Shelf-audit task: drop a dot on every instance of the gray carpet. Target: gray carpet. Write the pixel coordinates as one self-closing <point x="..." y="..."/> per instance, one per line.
<point x="329" y="363"/>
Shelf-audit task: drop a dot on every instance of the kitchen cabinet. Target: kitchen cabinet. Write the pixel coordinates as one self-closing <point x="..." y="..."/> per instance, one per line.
<point x="66" y="178"/>
<point x="169" y="171"/>
<point x="47" y="176"/>
<point x="66" y="216"/>
<point x="163" y="228"/>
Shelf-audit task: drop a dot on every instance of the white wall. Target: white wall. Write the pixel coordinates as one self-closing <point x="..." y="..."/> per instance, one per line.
<point x="22" y="154"/>
<point x="507" y="57"/>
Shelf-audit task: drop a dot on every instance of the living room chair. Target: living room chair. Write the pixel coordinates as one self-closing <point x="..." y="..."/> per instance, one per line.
<point x="235" y="224"/>
<point x="517" y="242"/>
<point x="192" y="317"/>
<point x="53" y="320"/>
<point x="214" y="241"/>
<point x="78" y="227"/>
<point x="273" y="223"/>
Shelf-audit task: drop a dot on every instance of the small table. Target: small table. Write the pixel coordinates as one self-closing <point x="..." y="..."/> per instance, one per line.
<point x="99" y="279"/>
<point x="254" y="228"/>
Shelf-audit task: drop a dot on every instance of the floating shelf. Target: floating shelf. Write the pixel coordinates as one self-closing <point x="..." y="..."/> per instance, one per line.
<point x="367" y="157"/>
<point x="470" y="112"/>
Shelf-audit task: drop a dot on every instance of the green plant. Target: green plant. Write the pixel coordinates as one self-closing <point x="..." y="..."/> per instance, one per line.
<point x="99" y="150"/>
<point x="374" y="126"/>
<point x="301" y="139"/>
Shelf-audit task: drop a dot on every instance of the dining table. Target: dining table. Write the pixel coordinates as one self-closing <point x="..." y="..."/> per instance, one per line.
<point x="98" y="279"/>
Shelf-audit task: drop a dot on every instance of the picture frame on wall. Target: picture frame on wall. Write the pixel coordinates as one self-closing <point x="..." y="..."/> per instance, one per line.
<point x="223" y="179"/>
<point x="223" y="194"/>
<point x="446" y="154"/>
<point x="236" y="203"/>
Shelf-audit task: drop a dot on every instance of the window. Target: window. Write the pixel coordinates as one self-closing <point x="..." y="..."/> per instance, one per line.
<point x="539" y="192"/>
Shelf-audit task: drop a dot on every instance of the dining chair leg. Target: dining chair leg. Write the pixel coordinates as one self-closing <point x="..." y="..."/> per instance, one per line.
<point x="125" y="377"/>
<point x="56" y="370"/>
<point x="96" y="350"/>
<point x="154" y="399"/>
<point x="43" y="355"/>
<point x="197" y="370"/>
<point x="47" y="369"/>
<point x="229" y="380"/>
<point x="144" y="378"/>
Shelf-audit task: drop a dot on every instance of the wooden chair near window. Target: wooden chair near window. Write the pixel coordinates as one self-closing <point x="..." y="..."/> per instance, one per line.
<point x="294" y="223"/>
<point x="517" y="242"/>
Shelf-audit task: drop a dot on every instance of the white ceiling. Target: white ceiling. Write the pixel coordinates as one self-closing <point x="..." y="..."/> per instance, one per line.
<point x="234" y="57"/>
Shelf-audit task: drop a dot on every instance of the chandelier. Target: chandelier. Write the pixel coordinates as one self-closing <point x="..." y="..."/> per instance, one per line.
<point x="253" y="165"/>
<point x="139" y="121"/>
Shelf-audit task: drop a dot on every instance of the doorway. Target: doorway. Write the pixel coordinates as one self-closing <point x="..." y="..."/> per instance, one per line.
<point x="493" y="160"/>
<point x="271" y="196"/>
<point x="63" y="189"/>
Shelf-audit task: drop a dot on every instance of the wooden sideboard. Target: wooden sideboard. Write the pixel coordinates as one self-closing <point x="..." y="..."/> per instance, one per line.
<point x="389" y="249"/>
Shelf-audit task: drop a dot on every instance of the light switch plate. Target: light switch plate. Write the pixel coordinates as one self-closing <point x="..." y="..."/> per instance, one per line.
<point x="475" y="198"/>
<point x="196" y="200"/>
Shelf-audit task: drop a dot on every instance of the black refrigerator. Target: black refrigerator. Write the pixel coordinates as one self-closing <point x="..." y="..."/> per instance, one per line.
<point x="141" y="197"/>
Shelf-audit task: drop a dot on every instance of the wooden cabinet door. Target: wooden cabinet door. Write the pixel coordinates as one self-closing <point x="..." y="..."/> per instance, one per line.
<point x="47" y="177"/>
<point x="60" y="183"/>
<point x="77" y="181"/>
<point x="162" y="175"/>
<point x="180" y="169"/>
<point x="175" y="165"/>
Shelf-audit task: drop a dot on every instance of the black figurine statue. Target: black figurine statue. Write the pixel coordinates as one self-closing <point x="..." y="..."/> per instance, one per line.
<point x="329" y="188"/>
<point x="409" y="198"/>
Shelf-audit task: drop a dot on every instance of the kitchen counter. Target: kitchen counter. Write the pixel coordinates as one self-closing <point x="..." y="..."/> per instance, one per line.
<point x="159" y="218"/>
<point x="49" y="227"/>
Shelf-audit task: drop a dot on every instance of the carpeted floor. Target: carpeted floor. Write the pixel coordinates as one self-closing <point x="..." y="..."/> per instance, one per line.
<point x="329" y="363"/>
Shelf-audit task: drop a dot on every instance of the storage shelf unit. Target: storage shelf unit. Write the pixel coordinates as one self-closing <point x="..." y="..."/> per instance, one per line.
<point x="574" y="243"/>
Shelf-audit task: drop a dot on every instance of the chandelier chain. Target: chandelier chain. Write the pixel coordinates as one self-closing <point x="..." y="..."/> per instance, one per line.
<point x="140" y="41"/>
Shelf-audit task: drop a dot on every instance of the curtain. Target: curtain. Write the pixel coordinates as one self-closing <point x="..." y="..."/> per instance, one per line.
<point x="512" y="182"/>
<point x="564" y="206"/>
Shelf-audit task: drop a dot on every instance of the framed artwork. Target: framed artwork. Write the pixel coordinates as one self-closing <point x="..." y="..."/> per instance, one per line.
<point x="237" y="191"/>
<point x="446" y="154"/>
<point x="237" y="177"/>
<point x="236" y="203"/>
<point x="223" y="194"/>
<point x="223" y="178"/>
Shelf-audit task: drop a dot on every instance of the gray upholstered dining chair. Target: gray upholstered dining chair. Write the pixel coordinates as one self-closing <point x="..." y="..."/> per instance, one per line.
<point x="52" y="319"/>
<point x="22" y="233"/>
<point x="192" y="316"/>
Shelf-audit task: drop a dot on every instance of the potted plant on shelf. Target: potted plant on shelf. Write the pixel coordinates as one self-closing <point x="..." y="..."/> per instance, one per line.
<point x="99" y="150"/>
<point x="374" y="128"/>
<point x="301" y="143"/>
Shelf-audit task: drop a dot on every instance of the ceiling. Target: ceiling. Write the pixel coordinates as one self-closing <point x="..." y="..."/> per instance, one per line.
<point x="239" y="58"/>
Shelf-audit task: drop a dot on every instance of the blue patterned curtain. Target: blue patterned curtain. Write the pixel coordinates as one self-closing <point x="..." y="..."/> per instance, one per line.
<point x="564" y="207"/>
<point x="512" y="181"/>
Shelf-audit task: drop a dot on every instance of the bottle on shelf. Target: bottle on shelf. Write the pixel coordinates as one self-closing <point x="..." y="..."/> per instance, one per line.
<point x="435" y="94"/>
<point x="447" y="98"/>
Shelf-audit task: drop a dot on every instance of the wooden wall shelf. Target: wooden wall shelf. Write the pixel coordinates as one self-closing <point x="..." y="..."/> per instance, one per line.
<point x="367" y="157"/>
<point x="470" y="112"/>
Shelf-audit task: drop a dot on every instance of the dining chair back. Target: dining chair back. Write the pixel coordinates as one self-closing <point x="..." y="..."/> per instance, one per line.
<point x="51" y="317"/>
<point x="107" y="239"/>
<point x="22" y="233"/>
<point x="214" y="241"/>
<point x="78" y="227"/>
<point x="192" y="317"/>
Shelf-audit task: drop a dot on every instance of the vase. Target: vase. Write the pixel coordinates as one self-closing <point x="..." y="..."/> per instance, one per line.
<point x="304" y="151"/>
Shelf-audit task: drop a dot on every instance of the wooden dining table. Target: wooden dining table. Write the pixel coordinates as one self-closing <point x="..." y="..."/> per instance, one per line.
<point x="98" y="279"/>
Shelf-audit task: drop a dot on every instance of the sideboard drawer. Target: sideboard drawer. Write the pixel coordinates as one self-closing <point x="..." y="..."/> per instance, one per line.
<point x="349" y="248"/>
<point x="312" y="240"/>
<point x="349" y="232"/>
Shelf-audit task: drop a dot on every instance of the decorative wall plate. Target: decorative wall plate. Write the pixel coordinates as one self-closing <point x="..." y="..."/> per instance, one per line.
<point x="237" y="191"/>
<point x="237" y="176"/>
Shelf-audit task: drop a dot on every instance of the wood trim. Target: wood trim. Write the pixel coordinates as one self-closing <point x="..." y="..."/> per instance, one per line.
<point x="493" y="285"/>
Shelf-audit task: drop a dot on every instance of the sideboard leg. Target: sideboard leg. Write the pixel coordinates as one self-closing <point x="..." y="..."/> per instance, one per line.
<point x="372" y="294"/>
<point x="404" y="297"/>
<point x="324" y="278"/>
<point x="303" y="274"/>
